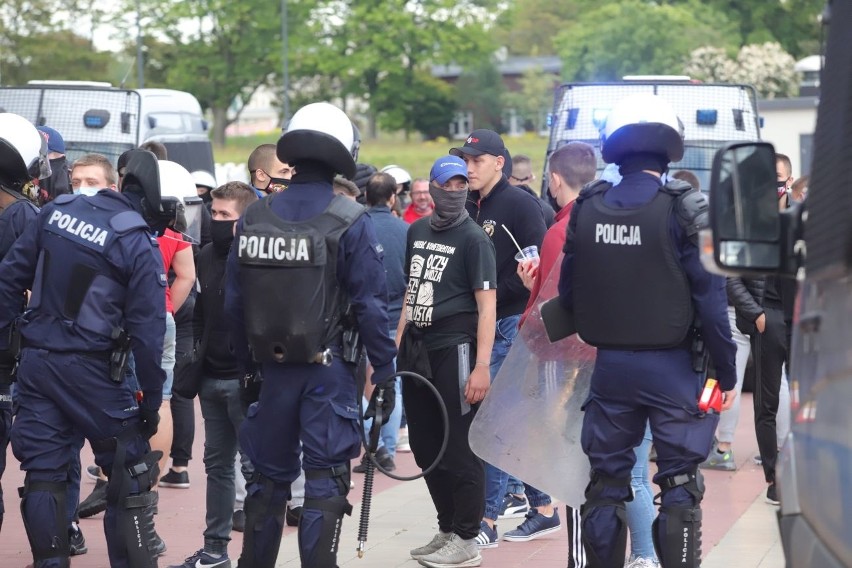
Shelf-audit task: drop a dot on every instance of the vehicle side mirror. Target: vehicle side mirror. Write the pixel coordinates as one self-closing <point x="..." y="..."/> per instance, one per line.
<point x="744" y="214"/>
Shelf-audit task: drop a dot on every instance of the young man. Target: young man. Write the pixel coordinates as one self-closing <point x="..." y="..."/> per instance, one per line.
<point x="501" y="210"/>
<point x="219" y="393"/>
<point x="446" y="334"/>
<point x="267" y="173"/>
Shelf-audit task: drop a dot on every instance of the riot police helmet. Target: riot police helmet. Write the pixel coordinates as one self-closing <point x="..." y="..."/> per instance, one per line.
<point x="402" y="177"/>
<point x="23" y="153"/>
<point x="320" y="132"/>
<point x="642" y="123"/>
<point x="204" y="178"/>
<point x="179" y="200"/>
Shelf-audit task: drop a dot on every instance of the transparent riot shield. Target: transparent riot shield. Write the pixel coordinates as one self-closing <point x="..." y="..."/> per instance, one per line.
<point x="529" y="423"/>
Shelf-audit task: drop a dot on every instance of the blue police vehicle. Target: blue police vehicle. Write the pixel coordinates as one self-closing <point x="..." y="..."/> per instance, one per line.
<point x="811" y="242"/>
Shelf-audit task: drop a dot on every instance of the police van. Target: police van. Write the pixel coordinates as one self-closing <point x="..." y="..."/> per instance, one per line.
<point x="712" y="114"/>
<point x="96" y="117"/>
<point x="811" y="242"/>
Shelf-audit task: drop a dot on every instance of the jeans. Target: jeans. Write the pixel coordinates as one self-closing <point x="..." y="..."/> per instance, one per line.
<point x="641" y="511"/>
<point x="223" y="414"/>
<point x="168" y="363"/>
<point x="390" y="429"/>
<point x="497" y="481"/>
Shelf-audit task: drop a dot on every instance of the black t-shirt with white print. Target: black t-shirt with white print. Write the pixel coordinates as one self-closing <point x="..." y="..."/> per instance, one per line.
<point x="444" y="268"/>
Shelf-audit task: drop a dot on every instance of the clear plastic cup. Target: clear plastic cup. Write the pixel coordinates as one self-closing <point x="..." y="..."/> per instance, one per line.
<point x="528" y="254"/>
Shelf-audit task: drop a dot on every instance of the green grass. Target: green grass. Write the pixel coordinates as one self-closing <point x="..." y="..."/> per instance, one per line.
<point x="415" y="156"/>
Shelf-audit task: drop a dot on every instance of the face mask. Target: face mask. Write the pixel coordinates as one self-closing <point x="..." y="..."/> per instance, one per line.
<point x="222" y="233"/>
<point x="277" y="185"/>
<point x="449" y="208"/>
<point x="87" y="190"/>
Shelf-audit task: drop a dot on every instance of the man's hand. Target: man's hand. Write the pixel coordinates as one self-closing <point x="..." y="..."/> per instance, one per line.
<point x="387" y="393"/>
<point x="760" y="323"/>
<point x="150" y="418"/>
<point x="527" y="271"/>
<point x="478" y="384"/>
<point x="728" y="398"/>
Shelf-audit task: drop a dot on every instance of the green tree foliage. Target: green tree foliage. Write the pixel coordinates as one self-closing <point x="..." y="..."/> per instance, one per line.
<point x="529" y="27"/>
<point x="364" y="43"/>
<point x="58" y="55"/>
<point x="638" y="37"/>
<point x="534" y="99"/>
<point x="416" y="103"/>
<point x="221" y="51"/>
<point x="480" y="90"/>
<point x="765" y="66"/>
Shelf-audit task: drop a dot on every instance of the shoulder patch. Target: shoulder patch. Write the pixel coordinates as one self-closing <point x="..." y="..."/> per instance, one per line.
<point x="127" y="221"/>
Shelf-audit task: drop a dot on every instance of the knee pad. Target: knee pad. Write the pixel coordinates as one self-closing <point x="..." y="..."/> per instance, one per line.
<point x="47" y="530"/>
<point x="604" y="521"/>
<point x="264" y="507"/>
<point x="322" y="518"/>
<point x="131" y="500"/>
<point x="677" y="529"/>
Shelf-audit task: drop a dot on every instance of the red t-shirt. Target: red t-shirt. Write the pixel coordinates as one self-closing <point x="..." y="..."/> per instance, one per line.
<point x="410" y="215"/>
<point x="551" y="249"/>
<point x="170" y="243"/>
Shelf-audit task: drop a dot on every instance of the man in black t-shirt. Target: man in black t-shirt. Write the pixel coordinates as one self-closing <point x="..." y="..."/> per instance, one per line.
<point x="446" y="334"/>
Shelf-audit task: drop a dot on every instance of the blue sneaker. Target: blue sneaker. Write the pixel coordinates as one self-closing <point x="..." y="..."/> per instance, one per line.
<point x="534" y="526"/>
<point x="487" y="537"/>
<point x="514" y="507"/>
<point x="203" y="560"/>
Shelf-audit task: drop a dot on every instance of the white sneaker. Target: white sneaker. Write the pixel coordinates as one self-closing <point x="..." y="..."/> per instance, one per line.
<point x="642" y="563"/>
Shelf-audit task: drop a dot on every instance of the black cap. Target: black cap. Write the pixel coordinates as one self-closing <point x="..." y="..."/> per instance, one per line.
<point x="481" y="141"/>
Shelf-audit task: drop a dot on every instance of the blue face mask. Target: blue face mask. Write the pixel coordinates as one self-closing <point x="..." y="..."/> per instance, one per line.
<point x="87" y="190"/>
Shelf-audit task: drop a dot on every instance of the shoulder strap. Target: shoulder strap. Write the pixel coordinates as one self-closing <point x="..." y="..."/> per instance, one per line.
<point x="66" y="198"/>
<point x="345" y="209"/>
<point x="127" y="221"/>
<point x="593" y="188"/>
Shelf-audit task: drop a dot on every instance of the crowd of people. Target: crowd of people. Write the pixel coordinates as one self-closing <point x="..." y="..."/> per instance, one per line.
<point x="281" y="302"/>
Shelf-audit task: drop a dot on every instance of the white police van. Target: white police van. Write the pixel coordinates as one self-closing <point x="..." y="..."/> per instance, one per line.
<point x="96" y="117"/>
<point x="712" y="114"/>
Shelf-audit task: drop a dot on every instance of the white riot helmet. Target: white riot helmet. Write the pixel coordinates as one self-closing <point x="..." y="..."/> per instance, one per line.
<point x="401" y="176"/>
<point x="204" y="179"/>
<point x="23" y="153"/>
<point x="177" y="193"/>
<point x="320" y="132"/>
<point x="642" y="123"/>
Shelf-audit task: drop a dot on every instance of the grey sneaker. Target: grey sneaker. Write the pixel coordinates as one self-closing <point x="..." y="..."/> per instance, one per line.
<point x="435" y="545"/>
<point x="721" y="461"/>
<point x="455" y="553"/>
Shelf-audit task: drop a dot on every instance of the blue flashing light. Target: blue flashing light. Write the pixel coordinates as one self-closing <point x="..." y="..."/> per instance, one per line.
<point x="706" y="116"/>
<point x="571" y="122"/>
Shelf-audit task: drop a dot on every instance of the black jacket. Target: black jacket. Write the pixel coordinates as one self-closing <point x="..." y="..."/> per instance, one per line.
<point x="521" y="214"/>
<point x="746" y="296"/>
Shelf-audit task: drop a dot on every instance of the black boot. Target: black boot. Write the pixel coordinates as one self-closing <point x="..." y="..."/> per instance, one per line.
<point x="94" y="503"/>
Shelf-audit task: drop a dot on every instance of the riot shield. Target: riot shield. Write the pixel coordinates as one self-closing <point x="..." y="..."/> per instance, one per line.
<point x="529" y="423"/>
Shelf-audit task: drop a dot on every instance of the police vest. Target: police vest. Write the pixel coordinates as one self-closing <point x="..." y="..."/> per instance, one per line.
<point x="76" y="235"/>
<point x="292" y="299"/>
<point x="630" y="290"/>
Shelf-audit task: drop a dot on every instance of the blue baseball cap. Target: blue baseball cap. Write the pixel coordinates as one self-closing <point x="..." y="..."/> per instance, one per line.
<point x="55" y="143"/>
<point x="446" y="168"/>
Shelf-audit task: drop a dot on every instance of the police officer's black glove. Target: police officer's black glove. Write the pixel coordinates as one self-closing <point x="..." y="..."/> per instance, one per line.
<point x="250" y="389"/>
<point x="387" y="393"/>
<point x="150" y="419"/>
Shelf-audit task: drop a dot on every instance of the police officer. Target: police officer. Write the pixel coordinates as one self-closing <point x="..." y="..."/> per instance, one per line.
<point x="305" y="268"/>
<point x="632" y="276"/>
<point x="23" y="156"/>
<point x="97" y="287"/>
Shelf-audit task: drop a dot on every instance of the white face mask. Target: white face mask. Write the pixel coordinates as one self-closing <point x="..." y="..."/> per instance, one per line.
<point x="87" y="190"/>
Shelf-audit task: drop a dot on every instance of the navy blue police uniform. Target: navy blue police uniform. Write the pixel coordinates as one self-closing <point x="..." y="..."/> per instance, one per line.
<point x="312" y="403"/>
<point x="96" y="275"/>
<point x="13" y="220"/>
<point x="633" y="278"/>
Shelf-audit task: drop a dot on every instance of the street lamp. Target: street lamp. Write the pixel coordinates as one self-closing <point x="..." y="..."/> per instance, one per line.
<point x="284" y="65"/>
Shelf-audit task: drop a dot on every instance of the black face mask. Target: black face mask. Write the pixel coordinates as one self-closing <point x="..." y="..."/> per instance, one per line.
<point x="222" y="233"/>
<point x="277" y="185"/>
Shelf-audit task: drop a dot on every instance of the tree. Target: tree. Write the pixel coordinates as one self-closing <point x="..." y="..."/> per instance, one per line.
<point x="765" y="66"/>
<point x="425" y="105"/>
<point x="535" y="98"/>
<point x="364" y="43"/>
<point x="638" y="37"/>
<point x="220" y="51"/>
<point x="528" y="27"/>
<point x="480" y="90"/>
<point x="56" y="55"/>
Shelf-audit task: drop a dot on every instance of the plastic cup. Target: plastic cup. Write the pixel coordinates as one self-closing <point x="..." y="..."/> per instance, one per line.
<point x="528" y="254"/>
